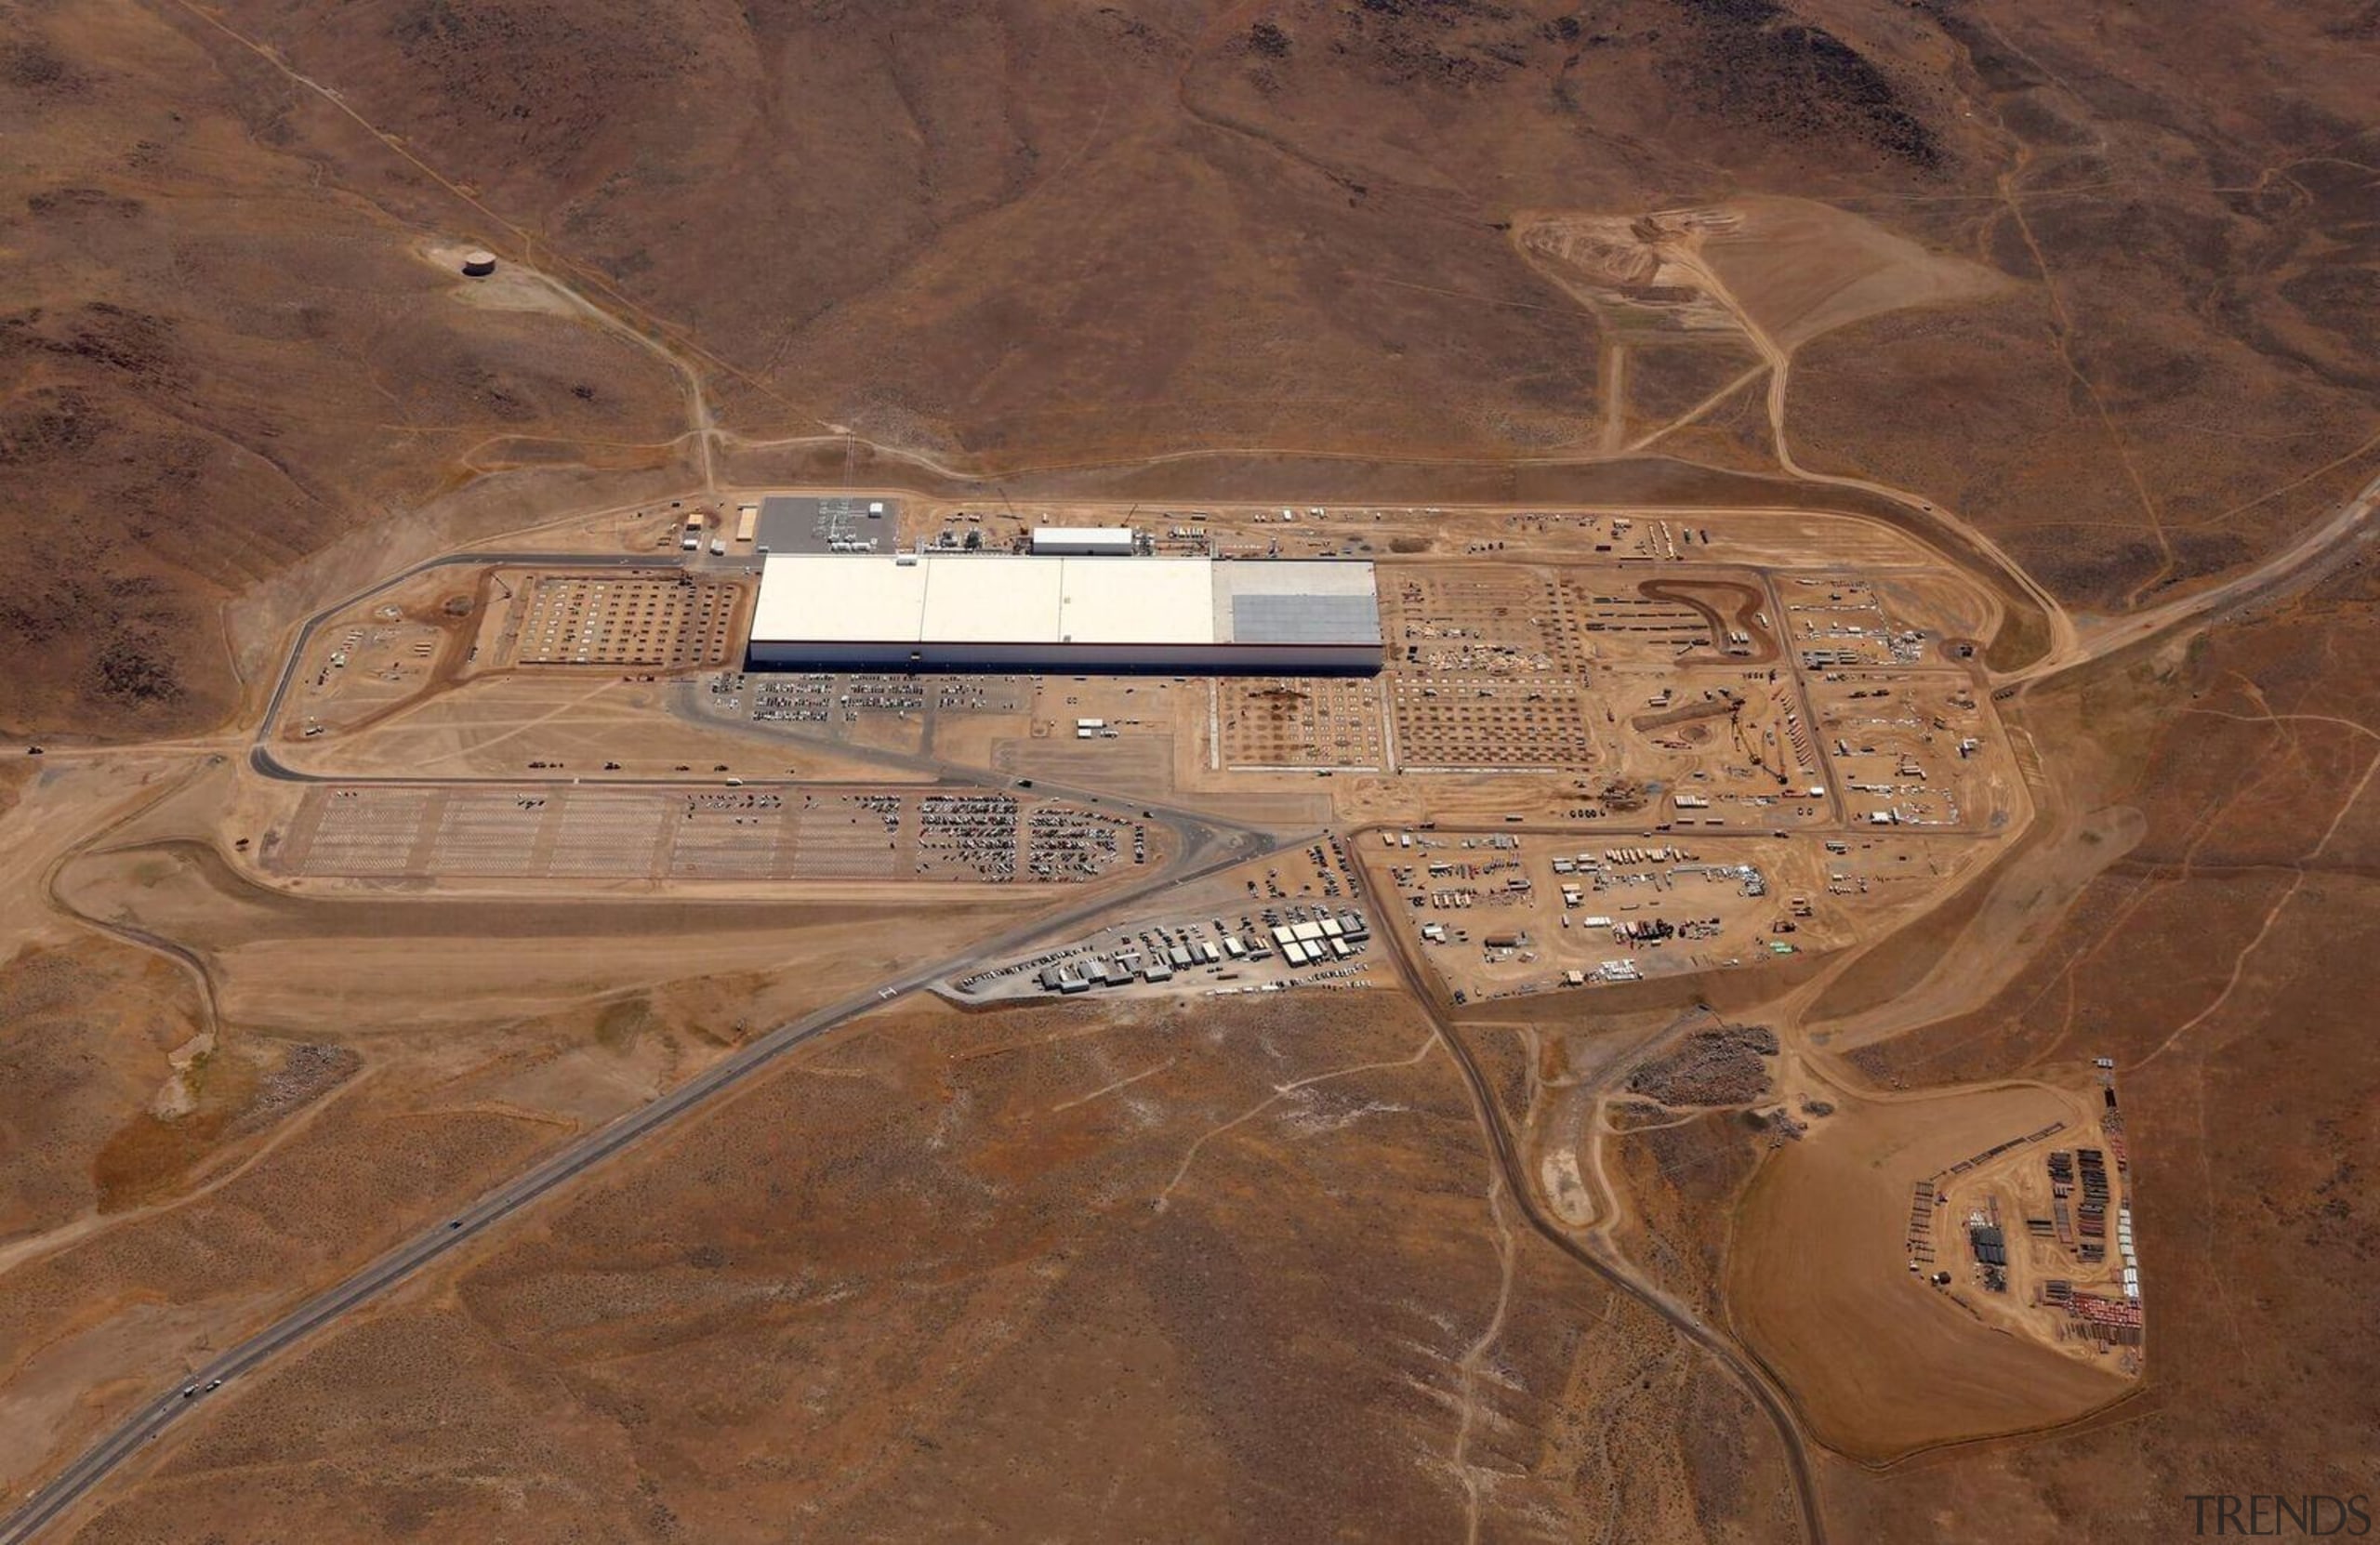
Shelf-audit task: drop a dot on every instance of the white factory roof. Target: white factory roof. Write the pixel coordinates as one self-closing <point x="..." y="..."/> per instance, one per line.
<point x="1083" y="537"/>
<point x="1002" y="598"/>
<point x="1017" y="609"/>
<point x="1136" y="601"/>
<point x="868" y="598"/>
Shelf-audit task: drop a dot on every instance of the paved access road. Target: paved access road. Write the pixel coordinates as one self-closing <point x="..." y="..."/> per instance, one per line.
<point x="1206" y="848"/>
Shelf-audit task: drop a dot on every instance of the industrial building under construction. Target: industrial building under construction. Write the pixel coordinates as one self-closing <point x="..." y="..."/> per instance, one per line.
<point x="1092" y="613"/>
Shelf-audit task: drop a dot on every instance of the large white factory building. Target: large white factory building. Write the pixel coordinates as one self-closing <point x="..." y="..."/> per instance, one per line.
<point x="999" y="611"/>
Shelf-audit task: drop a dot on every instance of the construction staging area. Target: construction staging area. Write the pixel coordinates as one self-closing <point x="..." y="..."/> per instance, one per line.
<point x="1289" y="721"/>
<point x="669" y="621"/>
<point x="1499" y="914"/>
<point x="1629" y="749"/>
<point x="1288" y="923"/>
<point x="2036" y="1234"/>
<point x="1689" y="685"/>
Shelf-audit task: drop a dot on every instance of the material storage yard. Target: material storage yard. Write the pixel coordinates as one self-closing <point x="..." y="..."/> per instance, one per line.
<point x="2036" y="1234"/>
<point x="1288" y="921"/>
<point x="1498" y="914"/>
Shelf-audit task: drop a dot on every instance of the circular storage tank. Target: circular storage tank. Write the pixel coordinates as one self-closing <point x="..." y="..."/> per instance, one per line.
<point x="478" y="265"/>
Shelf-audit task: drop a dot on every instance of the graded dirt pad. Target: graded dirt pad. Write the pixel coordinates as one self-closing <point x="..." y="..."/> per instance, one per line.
<point x="590" y="724"/>
<point x="1787" y="268"/>
<point x="281" y="959"/>
<point x="1072" y="1270"/>
<point x="1799" y="268"/>
<point x="1879" y="1362"/>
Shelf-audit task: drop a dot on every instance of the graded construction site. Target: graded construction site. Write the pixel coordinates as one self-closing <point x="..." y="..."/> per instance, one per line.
<point x="1636" y="751"/>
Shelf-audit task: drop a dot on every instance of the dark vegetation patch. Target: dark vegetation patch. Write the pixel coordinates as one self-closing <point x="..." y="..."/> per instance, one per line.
<point x="131" y="344"/>
<point x="308" y="1071"/>
<point x="1755" y="61"/>
<point x="132" y="620"/>
<point x="625" y="1022"/>
<point x="1718" y="1460"/>
<point x="44" y="424"/>
<point x="137" y="669"/>
<point x="83" y="201"/>
<point x="497" y="62"/>
<point x="151" y="1156"/>
<point x="1627" y="1115"/>
<point x="1446" y="43"/>
<point x="238" y="1094"/>
<point x="33" y="65"/>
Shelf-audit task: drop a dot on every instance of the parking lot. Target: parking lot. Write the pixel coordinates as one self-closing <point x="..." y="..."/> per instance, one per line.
<point x="702" y="833"/>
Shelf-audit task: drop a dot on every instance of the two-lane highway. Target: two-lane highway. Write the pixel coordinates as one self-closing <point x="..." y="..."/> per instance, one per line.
<point x="1208" y="847"/>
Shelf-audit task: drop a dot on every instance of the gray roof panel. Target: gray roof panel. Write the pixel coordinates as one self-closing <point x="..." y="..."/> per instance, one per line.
<point x="1304" y="619"/>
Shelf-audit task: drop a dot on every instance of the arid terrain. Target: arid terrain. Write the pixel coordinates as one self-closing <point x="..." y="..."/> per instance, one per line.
<point x="1819" y="992"/>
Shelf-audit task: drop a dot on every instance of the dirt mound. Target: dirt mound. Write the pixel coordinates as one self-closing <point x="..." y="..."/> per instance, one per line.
<point x="1727" y="1066"/>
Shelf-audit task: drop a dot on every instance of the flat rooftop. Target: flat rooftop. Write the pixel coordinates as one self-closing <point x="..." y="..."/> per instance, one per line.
<point x="1002" y="598"/>
<point x="803" y="522"/>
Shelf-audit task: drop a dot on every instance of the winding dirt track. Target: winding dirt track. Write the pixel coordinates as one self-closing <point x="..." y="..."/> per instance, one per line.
<point x="1747" y="1370"/>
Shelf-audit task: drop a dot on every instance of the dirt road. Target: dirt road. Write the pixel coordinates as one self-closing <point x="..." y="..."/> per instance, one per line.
<point x="1754" y="1378"/>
